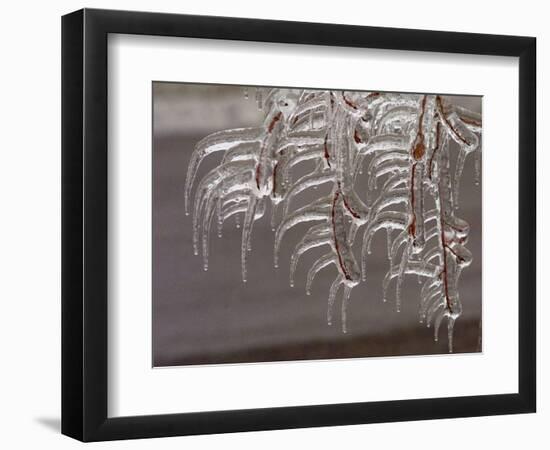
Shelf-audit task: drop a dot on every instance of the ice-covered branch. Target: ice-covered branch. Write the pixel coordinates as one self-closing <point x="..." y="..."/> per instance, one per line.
<point x="401" y="142"/>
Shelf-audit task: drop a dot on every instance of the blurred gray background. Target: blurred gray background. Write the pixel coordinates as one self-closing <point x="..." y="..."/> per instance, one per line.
<point x="212" y="317"/>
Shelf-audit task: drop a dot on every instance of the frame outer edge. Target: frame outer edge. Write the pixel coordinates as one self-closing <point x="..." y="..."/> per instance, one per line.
<point x="72" y="89"/>
<point x="527" y="294"/>
<point x="84" y="225"/>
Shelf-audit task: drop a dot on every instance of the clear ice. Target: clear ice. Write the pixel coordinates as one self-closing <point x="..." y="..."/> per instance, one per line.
<point x="402" y="142"/>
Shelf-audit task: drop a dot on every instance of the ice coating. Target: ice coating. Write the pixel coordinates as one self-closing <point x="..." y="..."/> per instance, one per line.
<point x="400" y="142"/>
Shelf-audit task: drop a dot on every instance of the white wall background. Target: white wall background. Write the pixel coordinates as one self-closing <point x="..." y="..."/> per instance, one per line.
<point x="30" y="222"/>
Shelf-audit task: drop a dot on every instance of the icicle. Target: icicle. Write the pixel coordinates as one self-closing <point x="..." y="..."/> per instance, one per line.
<point x="458" y="174"/>
<point x="413" y="267"/>
<point x="401" y="239"/>
<point x="247" y="230"/>
<point x="273" y="221"/>
<point x="271" y="97"/>
<point x="258" y="214"/>
<point x="345" y="303"/>
<point x="402" y="269"/>
<point x="399" y="113"/>
<point x="477" y="167"/>
<point x="332" y="296"/>
<point x="432" y="297"/>
<point x="316" y="237"/>
<point x="432" y="310"/>
<point x="385" y="286"/>
<point x="219" y="218"/>
<point x="388" y="167"/>
<point x="307" y="181"/>
<point x="208" y="190"/>
<point x="450" y="329"/>
<point x="207" y="220"/>
<point x="316" y="211"/>
<point x="303" y="114"/>
<point x="388" y="199"/>
<point x="353" y="228"/>
<point x="437" y="324"/>
<point x="318" y="265"/>
<point x="220" y="141"/>
<point x="241" y="152"/>
<point x="417" y="207"/>
<point x="384" y="143"/>
<point x="385" y="219"/>
<point x="384" y="158"/>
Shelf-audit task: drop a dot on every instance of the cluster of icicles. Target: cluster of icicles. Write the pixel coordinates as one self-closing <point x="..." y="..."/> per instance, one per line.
<point x="402" y="141"/>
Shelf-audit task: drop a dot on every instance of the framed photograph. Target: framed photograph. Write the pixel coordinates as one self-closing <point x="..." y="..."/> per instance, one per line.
<point x="274" y="225"/>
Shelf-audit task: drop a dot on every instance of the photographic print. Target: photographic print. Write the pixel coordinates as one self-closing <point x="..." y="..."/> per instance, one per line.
<point x="299" y="224"/>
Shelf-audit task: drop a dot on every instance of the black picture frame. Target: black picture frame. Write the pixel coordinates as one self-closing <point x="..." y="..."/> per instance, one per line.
<point x="84" y="224"/>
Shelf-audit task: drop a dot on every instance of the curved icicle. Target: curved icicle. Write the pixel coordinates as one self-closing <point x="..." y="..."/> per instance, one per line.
<point x="306" y="182"/>
<point x="391" y="198"/>
<point x="387" y="167"/>
<point x="387" y="219"/>
<point x="207" y="220"/>
<point x="386" y="157"/>
<point x="400" y="276"/>
<point x="461" y="159"/>
<point x="412" y="267"/>
<point x="433" y="310"/>
<point x="314" y="212"/>
<point x="332" y="296"/>
<point x="315" y="237"/>
<point x="298" y="156"/>
<point x="207" y="190"/>
<point x="241" y="152"/>
<point x="247" y="231"/>
<point x="345" y="304"/>
<point x="220" y="141"/>
<point x="402" y="238"/>
<point x="389" y="142"/>
<point x="437" y="324"/>
<point x="317" y="266"/>
<point x="450" y="329"/>
<point x="399" y="113"/>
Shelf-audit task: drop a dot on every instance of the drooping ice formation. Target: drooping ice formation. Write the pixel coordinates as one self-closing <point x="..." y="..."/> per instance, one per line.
<point x="401" y="141"/>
